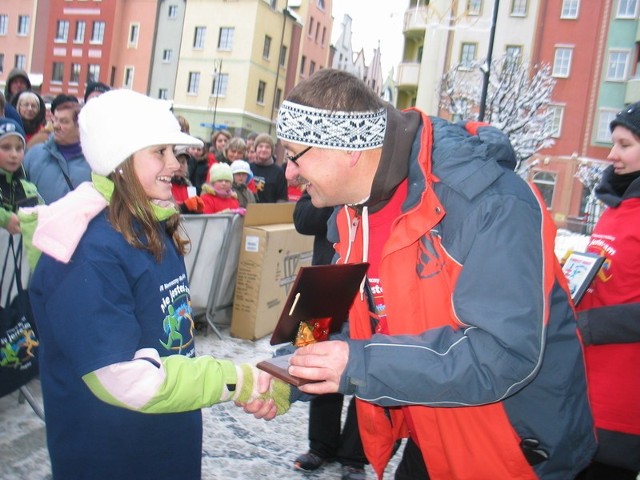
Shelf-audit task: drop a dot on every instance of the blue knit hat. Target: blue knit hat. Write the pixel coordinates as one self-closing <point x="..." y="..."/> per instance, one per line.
<point x="11" y="127"/>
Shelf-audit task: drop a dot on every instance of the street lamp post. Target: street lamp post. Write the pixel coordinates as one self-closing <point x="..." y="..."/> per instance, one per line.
<point x="486" y="69"/>
<point x="217" y="70"/>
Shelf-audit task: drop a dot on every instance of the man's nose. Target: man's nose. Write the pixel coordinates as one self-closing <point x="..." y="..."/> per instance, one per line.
<point x="291" y="172"/>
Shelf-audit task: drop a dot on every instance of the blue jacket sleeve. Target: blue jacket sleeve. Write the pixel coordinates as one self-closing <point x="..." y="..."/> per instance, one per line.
<point x="499" y="303"/>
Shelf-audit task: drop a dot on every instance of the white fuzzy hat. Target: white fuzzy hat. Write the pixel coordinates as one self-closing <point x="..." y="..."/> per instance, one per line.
<point x="118" y="123"/>
<point x="241" y="166"/>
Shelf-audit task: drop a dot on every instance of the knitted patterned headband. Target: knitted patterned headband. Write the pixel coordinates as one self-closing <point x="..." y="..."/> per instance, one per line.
<point x="337" y="130"/>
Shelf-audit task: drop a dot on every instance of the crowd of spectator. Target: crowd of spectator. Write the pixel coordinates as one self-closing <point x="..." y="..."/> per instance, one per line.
<point x="53" y="161"/>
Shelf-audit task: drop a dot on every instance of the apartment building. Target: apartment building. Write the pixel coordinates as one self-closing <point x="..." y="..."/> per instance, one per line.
<point x="238" y="60"/>
<point x="593" y="51"/>
<point x="19" y="32"/>
<point x="222" y="63"/>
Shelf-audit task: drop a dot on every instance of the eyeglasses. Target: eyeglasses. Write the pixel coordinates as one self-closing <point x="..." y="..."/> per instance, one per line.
<point x="297" y="156"/>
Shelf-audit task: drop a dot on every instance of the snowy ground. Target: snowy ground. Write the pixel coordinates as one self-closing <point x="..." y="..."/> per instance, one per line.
<point x="236" y="445"/>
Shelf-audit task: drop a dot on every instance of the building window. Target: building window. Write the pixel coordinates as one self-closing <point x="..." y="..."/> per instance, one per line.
<point x="627" y="9"/>
<point x="134" y="31"/>
<point x="93" y="73"/>
<point x="1" y="62"/>
<point x="173" y="11"/>
<point x="546" y="183"/>
<point x="324" y="35"/>
<point x="163" y="94"/>
<point x="556" y="116"/>
<point x="604" y="120"/>
<point x="278" y="99"/>
<point x="617" y="66"/>
<point x="220" y="83"/>
<point x="262" y="88"/>
<point x="4" y="24"/>
<point x="570" y="9"/>
<point x="62" y="31"/>
<point x="518" y="8"/>
<point x="283" y="56"/>
<point x="513" y="55"/>
<point x="310" y="32"/>
<point x="266" y="48"/>
<point x="23" y="25"/>
<point x="303" y="61"/>
<point x="474" y="7"/>
<point x="97" y="32"/>
<point x="81" y="26"/>
<point x="312" y="67"/>
<point x="167" y="53"/>
<point x="194" y="83"/>
<point x="57" y="73"/>
<point x="225" y="39"/>
<point x="467" y="55"/>
<point x="74" y="76"/>
<point x="198" y="37"/>
<point x="562" y="62"/>
<point x="320" y="4"/>
<point x="127" y="82"/>
<point x="21" y="61"/>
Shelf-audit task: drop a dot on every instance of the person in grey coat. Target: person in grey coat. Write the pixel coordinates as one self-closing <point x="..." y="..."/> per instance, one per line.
<point x="58" y="166"/>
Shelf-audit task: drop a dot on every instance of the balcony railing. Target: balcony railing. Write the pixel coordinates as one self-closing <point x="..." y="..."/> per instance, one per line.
<point x="632" y="92"/>
<point x="415" y="19"/>
<point x="408" y="74"/>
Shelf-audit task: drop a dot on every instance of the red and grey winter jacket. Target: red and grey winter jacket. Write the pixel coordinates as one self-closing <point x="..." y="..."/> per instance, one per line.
<point x="483" y="360"/>
<point x="609" y="319"/>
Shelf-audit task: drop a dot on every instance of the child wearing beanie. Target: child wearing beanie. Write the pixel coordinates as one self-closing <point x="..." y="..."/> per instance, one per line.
<point x="242" y="177"/>
<point x="217" y="195"/>
<point x="15" y="190"/>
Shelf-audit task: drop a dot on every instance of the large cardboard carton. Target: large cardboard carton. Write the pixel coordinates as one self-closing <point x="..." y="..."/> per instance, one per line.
<point x="271" y="254"/>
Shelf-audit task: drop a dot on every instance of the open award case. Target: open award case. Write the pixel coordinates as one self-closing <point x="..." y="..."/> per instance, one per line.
<point x="580" y="268"/>
<point x="317" y="306"/>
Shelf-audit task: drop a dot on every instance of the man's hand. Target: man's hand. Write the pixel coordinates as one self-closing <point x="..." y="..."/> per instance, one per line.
<point x="322" y="362"/>
<point x="265" y="408"/>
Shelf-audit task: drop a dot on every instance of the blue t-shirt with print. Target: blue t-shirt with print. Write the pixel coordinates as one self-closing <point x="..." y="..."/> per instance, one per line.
<point x="109" y="301"/>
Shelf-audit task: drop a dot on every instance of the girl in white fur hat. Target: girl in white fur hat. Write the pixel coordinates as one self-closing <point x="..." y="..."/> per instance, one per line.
<point x="111" y="300"/>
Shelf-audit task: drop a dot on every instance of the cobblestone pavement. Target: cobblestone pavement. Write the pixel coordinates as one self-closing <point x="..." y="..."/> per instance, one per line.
<point x="235" y="445"/>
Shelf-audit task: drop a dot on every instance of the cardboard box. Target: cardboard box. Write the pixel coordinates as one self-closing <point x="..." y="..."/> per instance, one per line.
<point x="271" y="253"/>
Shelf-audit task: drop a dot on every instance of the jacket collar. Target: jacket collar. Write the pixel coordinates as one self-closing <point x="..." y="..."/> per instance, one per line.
<point x="393" y="167"/>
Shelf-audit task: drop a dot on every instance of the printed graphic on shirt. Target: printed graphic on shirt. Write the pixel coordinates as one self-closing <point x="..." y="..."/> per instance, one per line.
<point x="259" y="182"/>
<point x="381" y="309"/>
<point x="178" y="324"/>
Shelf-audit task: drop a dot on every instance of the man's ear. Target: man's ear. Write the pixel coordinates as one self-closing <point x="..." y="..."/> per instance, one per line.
<point x="354" y="157"/>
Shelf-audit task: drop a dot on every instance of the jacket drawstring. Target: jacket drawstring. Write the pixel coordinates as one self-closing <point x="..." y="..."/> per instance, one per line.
<point x="365" y="245"/>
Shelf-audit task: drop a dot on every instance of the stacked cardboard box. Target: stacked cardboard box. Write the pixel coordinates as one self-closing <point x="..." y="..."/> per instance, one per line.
<point x="271" y="254"/>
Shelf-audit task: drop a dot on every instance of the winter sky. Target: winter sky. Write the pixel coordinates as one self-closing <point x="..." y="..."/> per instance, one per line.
<point x="373" y="21"/>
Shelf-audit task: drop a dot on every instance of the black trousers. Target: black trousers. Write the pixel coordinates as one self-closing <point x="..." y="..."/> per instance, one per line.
<point x="326" y="437"/>
<point x="411" y="466"/>
<point x="600" y="471"/>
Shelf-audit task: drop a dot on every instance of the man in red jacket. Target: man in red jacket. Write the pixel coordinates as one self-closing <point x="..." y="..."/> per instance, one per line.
<point x="462" y="338"/>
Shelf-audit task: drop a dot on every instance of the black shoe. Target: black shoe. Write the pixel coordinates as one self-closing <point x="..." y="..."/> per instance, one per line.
<point x="308" y="462"/>
<point x="353" y="473"/>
